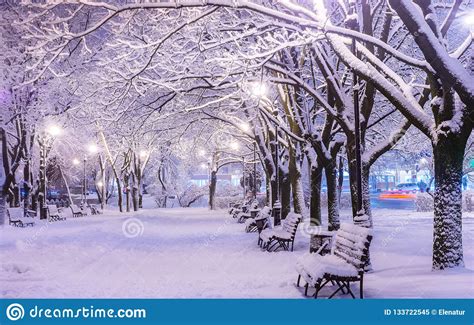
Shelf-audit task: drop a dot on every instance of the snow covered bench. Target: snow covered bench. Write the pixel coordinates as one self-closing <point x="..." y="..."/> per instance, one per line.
<point x="54" y="214"/>
<point x="282" y="237"/>
<point x="17" y="219"/>
<point x="345" y="263"/>
<point x="76" y="211"/>
<point x="95" y="209"/>
<point x="246" y="211"/>
<point x="237" y="207"/>
<point x="251" y="223"/>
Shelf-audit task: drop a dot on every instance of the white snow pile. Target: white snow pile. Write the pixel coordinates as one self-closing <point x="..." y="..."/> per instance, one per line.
<point x="194" y="253"/>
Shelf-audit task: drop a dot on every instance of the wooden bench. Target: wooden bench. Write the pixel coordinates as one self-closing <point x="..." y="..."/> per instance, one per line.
<point x="95" y="209"/>
<point x="54" y="214"/>
<point x="16" y="218"/>
<point x="76" y="211"/>
<point x="237" y="207"/>
<point x="251" y="223"/>
<point x="245" y="213"/>
<point x="282" y="237"/>
<point x="345" y="263"/>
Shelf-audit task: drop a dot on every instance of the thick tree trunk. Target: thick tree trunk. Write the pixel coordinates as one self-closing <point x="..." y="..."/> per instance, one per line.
<point x="315" y="202"/>
<point x="212" y="190"/>
<point x="295" y="178"/>
<point x="135" y="198"/>
<point x="120" y="196"/>
<point x="273" y="191"/>
<point x="332" y="195"/>
<point x="447" y="239"/>
<point x="366" y="192"/>
<point x="353" y="184"/>
<point x="140" y="191"/>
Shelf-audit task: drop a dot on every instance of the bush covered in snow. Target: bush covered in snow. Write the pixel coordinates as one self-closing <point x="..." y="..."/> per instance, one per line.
<point x="223" y="202"/>
<point x="424" y="202"/>
<point x="345" y="202"/>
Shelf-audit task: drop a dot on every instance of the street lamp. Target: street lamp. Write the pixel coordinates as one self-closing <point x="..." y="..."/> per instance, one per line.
<point x="259" y="89"/>
<point x="45" y="142"/>
<point x="234" y="145"/>
<point x="245" y="127"/>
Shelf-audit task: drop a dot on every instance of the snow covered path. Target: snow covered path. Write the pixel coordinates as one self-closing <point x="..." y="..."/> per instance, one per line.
<point x="194" y="253"/>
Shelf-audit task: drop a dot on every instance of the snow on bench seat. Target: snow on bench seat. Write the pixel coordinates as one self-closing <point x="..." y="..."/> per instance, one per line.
<point x="313" y="267"/>
<point x="343" y="265"/>
<point x="282" y="237"/>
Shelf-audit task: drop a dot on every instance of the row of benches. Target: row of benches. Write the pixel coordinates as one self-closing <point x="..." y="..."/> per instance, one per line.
<point x="17" y="217"/>
<point x="343" y="264"/>
<point x="257" y="220"/>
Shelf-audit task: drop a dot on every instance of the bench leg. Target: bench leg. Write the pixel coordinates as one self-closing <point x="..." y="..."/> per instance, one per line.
<point x="298" y="281"/>
<point x="317" y="287"/>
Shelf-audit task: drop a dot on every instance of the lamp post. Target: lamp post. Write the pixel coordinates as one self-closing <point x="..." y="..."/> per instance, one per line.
<point x="92" y="149"/>
<point x="45" y="142"/>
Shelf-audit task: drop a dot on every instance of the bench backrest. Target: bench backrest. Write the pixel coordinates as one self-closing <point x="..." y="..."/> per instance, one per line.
<point x="53" y="210"/>
<point x="352" y="244"/>
<point x="15" y="213"/>
<point x="264" y="213"/>
<point x="290" y="223"/>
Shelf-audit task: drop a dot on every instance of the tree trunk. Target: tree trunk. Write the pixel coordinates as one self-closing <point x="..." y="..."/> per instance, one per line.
<point x="285" y="193"/>
<point x="140" y="191"/>
<point x="295" y="178"/>
<point x="340" y="179"/>
<point x="212" y="190"/>
<point x="366" y="193"/>
<point x="126" y="185"/>
<point x="65" y="184"/>
<point x="353" y="184"/>
<point x="332" y="195"/>
<point x="447" y="240"/>
<point x="268" y="188"/>
<point x="273" y="191"/>
<point x="135" y="198"/>
<point x="315" y="202"/>
<point x="3" y="207"/>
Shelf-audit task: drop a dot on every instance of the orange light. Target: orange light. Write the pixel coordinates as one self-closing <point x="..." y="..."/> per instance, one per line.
<point x="397" y="196"/>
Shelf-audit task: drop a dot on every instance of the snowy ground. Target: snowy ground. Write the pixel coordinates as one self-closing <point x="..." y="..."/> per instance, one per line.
<point x="194" y="253"/>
